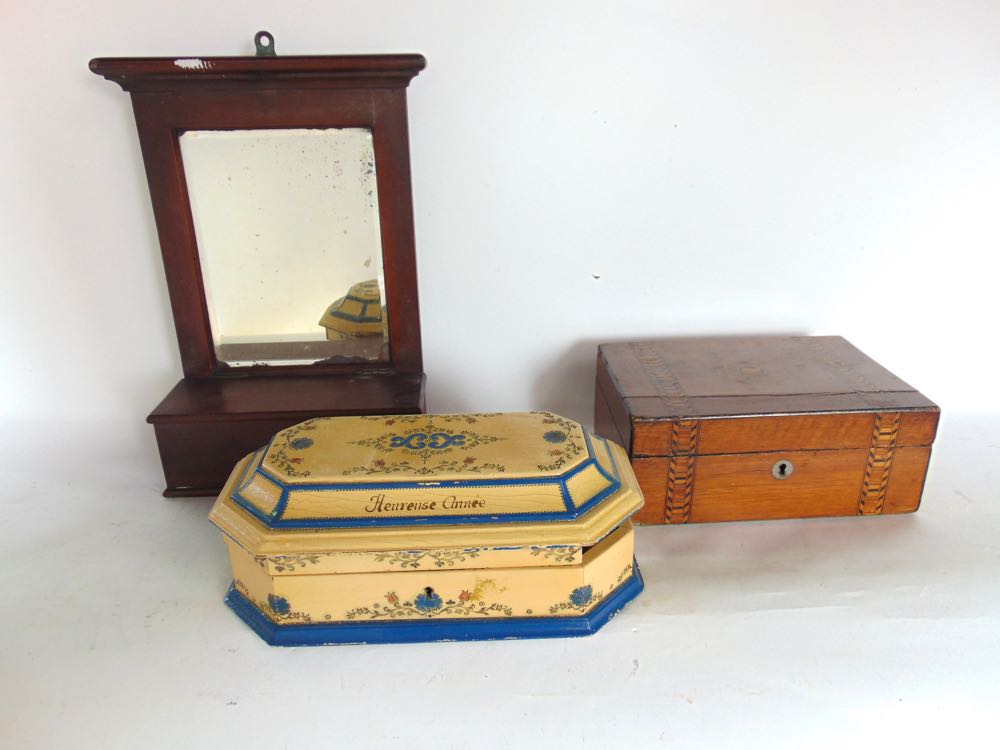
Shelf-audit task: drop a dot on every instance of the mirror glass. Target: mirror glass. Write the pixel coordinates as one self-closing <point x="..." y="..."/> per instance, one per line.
<point x="287" y="226"/>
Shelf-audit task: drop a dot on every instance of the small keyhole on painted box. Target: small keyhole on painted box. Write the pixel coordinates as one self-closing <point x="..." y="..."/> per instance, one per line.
<point x="782" y="469"/>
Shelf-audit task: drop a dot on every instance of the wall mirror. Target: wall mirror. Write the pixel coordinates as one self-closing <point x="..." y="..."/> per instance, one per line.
<point x="281" y="191"/>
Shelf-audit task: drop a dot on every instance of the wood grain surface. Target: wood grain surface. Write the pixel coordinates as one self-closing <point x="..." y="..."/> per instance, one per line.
<point x="706" y="419"/>
<point x="747" y="434"/>
<point x="203" y="427"/>
<point x="741" y="487"/>
<point x="219" y="413"/>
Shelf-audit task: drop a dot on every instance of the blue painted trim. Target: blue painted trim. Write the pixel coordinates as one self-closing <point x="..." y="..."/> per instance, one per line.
<point x="596" y="499"/>
<point x="246" y="477"/>
<point x="267" y="518"/>
<point x="566" y="496"/>
<point x="351" y="523"/>
<point x="602" y="472"/>
<point x="354" y="318"/>
<point x="282" y="504"/>
<point x="614" y="476"/>
<point x="591" y="459"/>
<point x="424" y="631"/>
<point x="275" y="520"/>
<point x="363" y="300"/>
<point x="615" y="481"/>
<point x="416" y="485"/>
<point x="268" y="475"/>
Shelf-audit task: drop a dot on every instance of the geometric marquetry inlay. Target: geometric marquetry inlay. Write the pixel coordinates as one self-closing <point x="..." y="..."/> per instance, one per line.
<point x="880" y="453"/>
<point x="680" y="470"/>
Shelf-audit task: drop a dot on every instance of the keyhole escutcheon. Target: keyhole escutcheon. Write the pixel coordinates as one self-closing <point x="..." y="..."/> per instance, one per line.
<point x="782" y="469"/>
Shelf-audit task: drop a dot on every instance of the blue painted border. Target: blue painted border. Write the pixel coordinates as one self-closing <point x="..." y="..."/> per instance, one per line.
<point x="362" y="318"/>
<point x="425" y="631"/>
<point x="274" y="519"/>
<point x="246" y="476"/>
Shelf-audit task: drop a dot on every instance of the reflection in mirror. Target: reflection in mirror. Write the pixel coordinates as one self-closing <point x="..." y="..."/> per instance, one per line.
<point x="288" y="237"/>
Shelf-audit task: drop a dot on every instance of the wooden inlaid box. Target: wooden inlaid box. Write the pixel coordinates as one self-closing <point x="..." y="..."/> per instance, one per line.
<point x="421" y="528"/>
<point x="761" y="427"/>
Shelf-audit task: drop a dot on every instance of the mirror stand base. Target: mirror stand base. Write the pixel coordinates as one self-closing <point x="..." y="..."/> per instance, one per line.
<point x="204" y="426"/>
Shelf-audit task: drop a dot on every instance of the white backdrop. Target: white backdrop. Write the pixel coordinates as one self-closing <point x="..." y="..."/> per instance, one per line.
<point x="583" y="172"/>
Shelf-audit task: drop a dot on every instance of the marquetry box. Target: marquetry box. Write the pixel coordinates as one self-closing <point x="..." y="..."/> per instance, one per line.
<point x="423" y="528"/>
<point x="760" y="427"/>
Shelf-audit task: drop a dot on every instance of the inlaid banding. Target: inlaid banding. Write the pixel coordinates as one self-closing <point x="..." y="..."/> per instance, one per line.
<point x="680" y="470"/>
<point x="880" y="454"/>
<point x="660" y="376"/>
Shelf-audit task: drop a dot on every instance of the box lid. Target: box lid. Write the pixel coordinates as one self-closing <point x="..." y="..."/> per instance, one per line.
<point x="734" y="378"/>
<point x="408" y="482"/>
<point x="725" y="375"/>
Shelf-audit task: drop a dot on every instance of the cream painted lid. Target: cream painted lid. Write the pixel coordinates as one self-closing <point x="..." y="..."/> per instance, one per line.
<point x="416" y="481"/>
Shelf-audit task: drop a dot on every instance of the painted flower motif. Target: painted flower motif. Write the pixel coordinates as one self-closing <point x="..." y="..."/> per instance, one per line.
<point x="295" y="460"/>
<point x="390" y="421"/>
<point x="464" y="596"/>
<point x="301" y="443"/>
<point x="469" y="460"/>
<point x="582" y="596"/>
<point x="379" y="462"/>
<point x="428" y="601"/>
<point x="392" y="598"/>
<point x="555" y="436"/>
<point x="555" y="452"/>
<point x="278" y="604"/>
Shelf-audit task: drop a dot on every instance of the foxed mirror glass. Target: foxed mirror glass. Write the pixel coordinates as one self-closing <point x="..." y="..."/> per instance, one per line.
<point x="289" y="243"/>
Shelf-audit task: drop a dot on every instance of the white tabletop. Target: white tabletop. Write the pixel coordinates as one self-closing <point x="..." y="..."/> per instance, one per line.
<point x="816" y="633"/>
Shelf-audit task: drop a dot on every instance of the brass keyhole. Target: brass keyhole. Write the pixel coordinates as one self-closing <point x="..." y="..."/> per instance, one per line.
<point x="782" y="469"/>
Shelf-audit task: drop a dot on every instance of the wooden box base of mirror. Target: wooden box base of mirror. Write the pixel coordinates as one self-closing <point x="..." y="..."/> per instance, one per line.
<point x="763" y="427"/>
<point x="204" y="426"/>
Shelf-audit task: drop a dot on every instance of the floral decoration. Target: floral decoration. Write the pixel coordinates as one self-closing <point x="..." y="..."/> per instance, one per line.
<point x="428" y="600"/>
<point x="276" y="608"/>
<point x="426" y="450"/>
<point x="563" y="436"/>
<point x="278" y="455"/>
<point x="580" y="600"/>
<point x="413" y="559"/>
<point x="427" y="604"/>
<point x="278" y="604"/>
<point x="287" y="563"/>
<point x="626" y="572"/>
<point x="558" y="553"/>
<point x="411" y="418"/>
<point x="583" y="598"/>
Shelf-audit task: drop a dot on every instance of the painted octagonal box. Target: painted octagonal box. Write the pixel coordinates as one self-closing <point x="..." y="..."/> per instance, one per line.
<point x="430" y="527"/>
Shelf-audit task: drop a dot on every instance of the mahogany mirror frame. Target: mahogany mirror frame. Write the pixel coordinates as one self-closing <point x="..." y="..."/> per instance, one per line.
<point x="171" y="96"/>
<point x="218" y="413"/>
